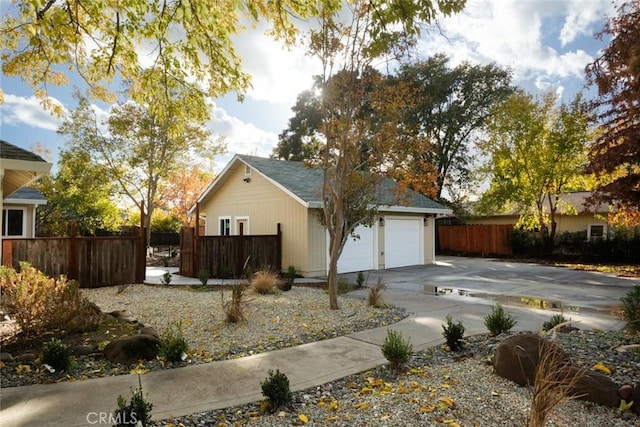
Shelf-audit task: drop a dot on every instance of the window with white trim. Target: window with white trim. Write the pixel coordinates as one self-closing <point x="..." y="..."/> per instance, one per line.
<point x="14" y="222"/>
<point x="225" y="226"/>
<point x="596" y="232"/>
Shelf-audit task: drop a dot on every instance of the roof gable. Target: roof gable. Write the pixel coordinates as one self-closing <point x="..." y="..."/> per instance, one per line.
<point x="10" y="151"/>
<point x="26" y="195"/>
<point x="304" y="183"/>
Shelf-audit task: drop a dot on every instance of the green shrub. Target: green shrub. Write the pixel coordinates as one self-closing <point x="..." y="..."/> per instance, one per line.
<point x="137" y="411"/>
<point x="453" y="333"/>
<point x="56" y="354"/>
<point x="276" y="388"/>
<point x="374" y="298"/>
<point x="360" y="279"/>
<point x="555" y="320"/>
<point x="631" y="309"/>
<point x="173" y="344"/>
<point x="40" y="304"/>
<point x="204" y="276"/>
<point x="290" y="277"/>
<point x="396" y="349"/>
<point x="166" y="278"/>
<point x="499" y="321"/>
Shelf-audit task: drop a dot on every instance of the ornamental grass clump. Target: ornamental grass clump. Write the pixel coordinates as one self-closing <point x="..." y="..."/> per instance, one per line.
<point x="276" y="389"/>
<point x="374" y="298"/>
<point x="173" y="344"/>
<point x="234" y="308"/>
<point x="499" y="321"/>
<point x="264" y="281"/>
<point x="554" y="383"/>
<point x="453" y="333"/>
<point x="396" y="349"/>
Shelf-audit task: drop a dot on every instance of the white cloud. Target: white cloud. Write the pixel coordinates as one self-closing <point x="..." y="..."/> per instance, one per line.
<point x="278" y="74"/>
<point x="581" y="16"/>
<point x="241" y="137"/>
<point x="519" y="34"/>
<point x="18" y="110"/>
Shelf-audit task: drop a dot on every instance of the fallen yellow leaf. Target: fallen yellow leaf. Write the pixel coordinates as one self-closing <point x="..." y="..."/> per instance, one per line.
<point x="362" y="405"/>
<point x="427" y="409"/>
<point x="331" y="419"/>
<point x="333" y="405"/>
<point x="303" y="418"/>
<point x="602" y="368"/>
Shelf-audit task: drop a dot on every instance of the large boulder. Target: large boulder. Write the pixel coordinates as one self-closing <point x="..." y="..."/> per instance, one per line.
<point x="132" y="348"/>
<point x="517" y="358"/>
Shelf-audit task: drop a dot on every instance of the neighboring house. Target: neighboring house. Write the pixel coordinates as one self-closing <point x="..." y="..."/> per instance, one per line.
<point x="18" y="168"/>
<point x="19" y="212"/>
<point x="253" y="194"/>
<point x="593" y="223"/>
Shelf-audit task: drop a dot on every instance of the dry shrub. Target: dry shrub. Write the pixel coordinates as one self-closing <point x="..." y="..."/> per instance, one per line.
<point x="375" y="294"/>
<point x="555" y="382"/>
<point x="40" y="304"/>
<point x="265" y="281"/>
<point x="234" y="308"/>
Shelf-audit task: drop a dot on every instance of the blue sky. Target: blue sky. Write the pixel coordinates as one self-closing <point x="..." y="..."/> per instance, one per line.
<point x="546" y="43"/>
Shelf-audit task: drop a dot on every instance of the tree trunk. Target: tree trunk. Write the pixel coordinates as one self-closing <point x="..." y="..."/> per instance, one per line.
<point x="332" y="274"/>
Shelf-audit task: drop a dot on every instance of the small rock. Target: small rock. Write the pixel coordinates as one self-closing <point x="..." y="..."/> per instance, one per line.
<point x="81" y="350"/>
<point x="6" y="357"/>
<point x="26" y="357"/>
<point x="132" y="348"/>
<point x="146" y="330"/>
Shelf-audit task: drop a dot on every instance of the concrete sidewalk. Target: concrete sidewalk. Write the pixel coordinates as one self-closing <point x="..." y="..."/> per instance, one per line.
<point x="226" y="383"/>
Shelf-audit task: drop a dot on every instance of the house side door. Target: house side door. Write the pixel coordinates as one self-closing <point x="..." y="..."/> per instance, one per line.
<point x="242" y="226"/>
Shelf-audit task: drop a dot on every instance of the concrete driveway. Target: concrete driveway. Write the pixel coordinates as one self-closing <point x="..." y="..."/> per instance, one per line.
<point x="509" y="282"/>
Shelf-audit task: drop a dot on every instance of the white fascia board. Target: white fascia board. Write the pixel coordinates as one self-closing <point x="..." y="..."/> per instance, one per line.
<point x="11" y="201"/>
<point x="411" y="209"/>
<point x="395" y="208"/>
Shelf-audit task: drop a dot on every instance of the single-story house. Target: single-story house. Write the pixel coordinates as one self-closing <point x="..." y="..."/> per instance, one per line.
<point x="594" y="223"/>
<point x="18" y="168"/>
<point x="253" y="194"/>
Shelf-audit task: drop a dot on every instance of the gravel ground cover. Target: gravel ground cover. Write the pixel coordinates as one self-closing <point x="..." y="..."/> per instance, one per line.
<point x="274" y="321"/>
<point x="440" y="388"/>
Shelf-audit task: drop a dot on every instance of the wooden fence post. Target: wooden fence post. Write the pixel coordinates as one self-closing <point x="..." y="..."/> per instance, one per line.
<point x="7" y="253"/>
<point x="141" y="252"/>
<point x="73" y="253"/>
<point x="279" y="256"/>
<point x="195" y="255"/>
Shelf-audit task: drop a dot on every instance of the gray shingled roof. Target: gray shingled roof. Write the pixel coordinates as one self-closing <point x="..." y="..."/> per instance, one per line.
<point x="26" y="193"/>
<point x="10" y="151"/>
<point x="305" y="183"/>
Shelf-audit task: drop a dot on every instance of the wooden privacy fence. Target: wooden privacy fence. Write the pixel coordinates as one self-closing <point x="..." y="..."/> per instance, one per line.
<point x="481" y="239"/>
<point x="92" y="261"/>
<point x="225" y="256"/>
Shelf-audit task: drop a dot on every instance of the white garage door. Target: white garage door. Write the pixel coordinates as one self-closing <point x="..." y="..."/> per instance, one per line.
<point x="403" y="241"/>
<point x="357" y="255"/>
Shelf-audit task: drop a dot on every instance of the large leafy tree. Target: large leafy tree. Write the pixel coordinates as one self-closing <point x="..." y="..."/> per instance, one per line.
<point x="449" y="108"/>
<point x="181" y="190"/>
<point x="81" y="191"/>
<point x="357" y="151"/>
<point x="615" y="153"/>
<point x="186" y="40"/>
<point x="536" y="151"/>
<point x="138" y="149"/>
